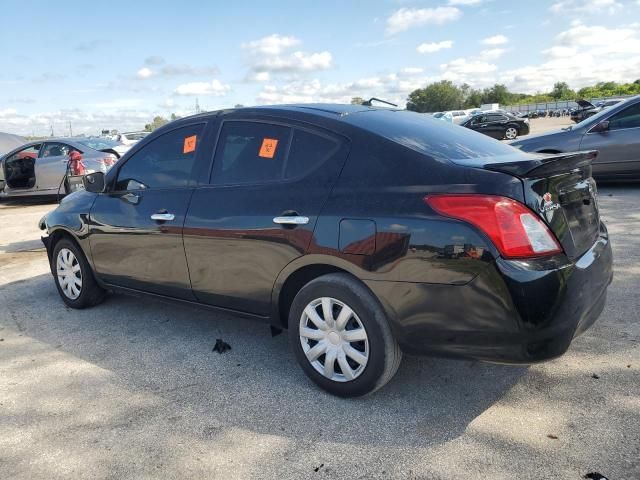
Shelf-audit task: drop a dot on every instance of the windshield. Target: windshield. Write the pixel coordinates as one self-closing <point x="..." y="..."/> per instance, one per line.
<point x="97" y="143"/>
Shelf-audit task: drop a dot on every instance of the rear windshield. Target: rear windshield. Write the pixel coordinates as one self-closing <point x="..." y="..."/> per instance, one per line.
<point x="432" y="137"/>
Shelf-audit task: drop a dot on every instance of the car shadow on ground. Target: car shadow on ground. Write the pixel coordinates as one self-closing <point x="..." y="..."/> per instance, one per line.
<point x="17" y="202"/>
<point x="165" y="351"/>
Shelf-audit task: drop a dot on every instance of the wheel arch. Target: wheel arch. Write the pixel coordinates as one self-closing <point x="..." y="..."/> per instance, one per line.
<point x="296" y="275"/>
<point x="60" y="233"/>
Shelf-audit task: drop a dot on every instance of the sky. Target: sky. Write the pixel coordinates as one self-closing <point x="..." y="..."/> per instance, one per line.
<point x="74" y="64"/>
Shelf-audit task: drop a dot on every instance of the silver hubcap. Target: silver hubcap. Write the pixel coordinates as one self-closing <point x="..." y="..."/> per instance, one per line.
<point x="69" y="273"/>
<point x="334" y="339"/>
<point x="511" y="133"/>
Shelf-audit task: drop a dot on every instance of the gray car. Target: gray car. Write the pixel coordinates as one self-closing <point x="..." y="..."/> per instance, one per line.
<point x="46" y="167"/>
<point x="614" y="132"/>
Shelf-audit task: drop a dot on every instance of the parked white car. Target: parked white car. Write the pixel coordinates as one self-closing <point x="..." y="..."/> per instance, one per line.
<point x="130" y="138"/>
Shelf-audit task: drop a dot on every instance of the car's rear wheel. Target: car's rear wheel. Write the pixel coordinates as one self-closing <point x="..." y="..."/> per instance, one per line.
<point x="511" y="133"/>
<point x="73" y="276"/>
<point x="341" y="337"/>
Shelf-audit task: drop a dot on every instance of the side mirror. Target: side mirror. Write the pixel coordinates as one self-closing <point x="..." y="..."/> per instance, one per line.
<point x="601" y="127"/>
<point x="94" y="182"/>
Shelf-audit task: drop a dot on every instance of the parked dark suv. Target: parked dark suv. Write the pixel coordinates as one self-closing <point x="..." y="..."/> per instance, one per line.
<point x="366" y="232"/>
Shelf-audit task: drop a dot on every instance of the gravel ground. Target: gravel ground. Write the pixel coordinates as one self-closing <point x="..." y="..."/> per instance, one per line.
<point x="131" y="389"/>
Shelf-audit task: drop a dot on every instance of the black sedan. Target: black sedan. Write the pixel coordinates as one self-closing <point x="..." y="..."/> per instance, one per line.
<point x="498" y="125"/>
<point x="365" y="232"/>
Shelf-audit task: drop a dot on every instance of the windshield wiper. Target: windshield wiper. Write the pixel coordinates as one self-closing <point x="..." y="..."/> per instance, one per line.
<point x="566" y="129"/>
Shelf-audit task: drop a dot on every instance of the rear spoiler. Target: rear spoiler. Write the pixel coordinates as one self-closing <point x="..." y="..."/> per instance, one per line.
<point x="545" y="165"/>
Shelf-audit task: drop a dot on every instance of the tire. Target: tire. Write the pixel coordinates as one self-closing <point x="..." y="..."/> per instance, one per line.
<point x="67" y="256"/>
<point x="360" y="366"/>
<point x="511" y="133"/>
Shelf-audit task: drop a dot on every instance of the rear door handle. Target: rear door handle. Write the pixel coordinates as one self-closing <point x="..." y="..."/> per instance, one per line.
<point x="291" y="220"/>
<point x="163" y="216"/>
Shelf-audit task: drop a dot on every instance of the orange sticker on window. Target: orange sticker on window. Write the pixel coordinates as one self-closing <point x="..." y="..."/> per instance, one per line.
<point x="268" y="148"/>
<point x="190" y="144"/>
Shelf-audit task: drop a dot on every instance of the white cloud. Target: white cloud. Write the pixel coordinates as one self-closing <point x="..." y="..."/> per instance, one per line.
<point x="411" y="70"/>
<point x="393" y="87"/>
<point x="272" y="45"/>
<point x="465" y="2"/>
<point x="586" y="6"/>
<point x="495" y="40"/>
<point x="559" y="51"/>
<point x="434" y="46"/>
<point x="406" y="18"/>
<point x="463" y="66"/>
<point x="295" y="62"/>
<point x="273" y="54"/>
<point x="492" y="53"/>
<point x="8" y="112"/>
<point x="215" y="88"/>
<point x="144" y="73"/>
<point x="582" y="55"/>
<point x="176" y="70"/>
<point x="259" y="77"/>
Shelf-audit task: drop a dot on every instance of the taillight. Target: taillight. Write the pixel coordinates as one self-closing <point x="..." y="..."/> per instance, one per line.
<point x="105" y="163"/>
<point x="515" y="230"/>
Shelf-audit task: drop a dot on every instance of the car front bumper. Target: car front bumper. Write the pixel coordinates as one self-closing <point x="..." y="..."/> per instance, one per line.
<point x="513" y="312"/>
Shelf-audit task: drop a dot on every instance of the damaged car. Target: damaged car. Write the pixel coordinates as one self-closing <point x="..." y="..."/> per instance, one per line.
<point x="48" y="167"/>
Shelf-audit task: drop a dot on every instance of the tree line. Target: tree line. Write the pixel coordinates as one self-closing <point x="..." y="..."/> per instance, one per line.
<point x="445" y="95"/>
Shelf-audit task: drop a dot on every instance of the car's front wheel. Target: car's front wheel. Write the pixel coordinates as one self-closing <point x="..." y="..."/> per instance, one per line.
<point x="511" y="133"/>
<point x="341" y="337"/>
<point x="73" y="276"/>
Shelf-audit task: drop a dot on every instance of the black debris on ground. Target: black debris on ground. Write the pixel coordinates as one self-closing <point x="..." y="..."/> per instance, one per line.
<point x="221" y="346"/>
<point x="317" y="469"/>
<point x="595" y="476"/>
<point x="552" y="437"/>
<point x="596" y="376"/>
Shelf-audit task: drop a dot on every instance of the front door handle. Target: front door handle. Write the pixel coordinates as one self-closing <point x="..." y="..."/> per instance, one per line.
<point x="163" y="216"/>
<point x="291" y="220"/>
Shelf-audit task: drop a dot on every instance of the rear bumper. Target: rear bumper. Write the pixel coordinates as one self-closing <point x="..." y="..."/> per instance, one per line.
<point x="513" y="312"/>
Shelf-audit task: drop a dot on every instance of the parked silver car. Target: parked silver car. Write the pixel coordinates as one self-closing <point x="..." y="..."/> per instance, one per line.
<point x="614" y="132"/>
<point x="45" y="167"/>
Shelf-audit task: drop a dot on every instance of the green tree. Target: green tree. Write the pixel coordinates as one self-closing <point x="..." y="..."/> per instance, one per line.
<point x="436" y="97"/>
<point x="497" y="94"/>
<point x="561" y="91"/>
<point x="157" y="122"/>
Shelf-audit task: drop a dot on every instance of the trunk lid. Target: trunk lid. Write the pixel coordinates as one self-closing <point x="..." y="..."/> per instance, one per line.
<point x="585" y="103"/>
<point x="561" y="190"/>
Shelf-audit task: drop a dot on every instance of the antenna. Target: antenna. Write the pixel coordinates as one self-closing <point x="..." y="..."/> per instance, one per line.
<point x="367" y="103"/>
<point x="197" y="106"/>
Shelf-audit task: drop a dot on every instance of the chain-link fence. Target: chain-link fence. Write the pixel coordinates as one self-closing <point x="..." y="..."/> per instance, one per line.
<point x="553" y="106"/>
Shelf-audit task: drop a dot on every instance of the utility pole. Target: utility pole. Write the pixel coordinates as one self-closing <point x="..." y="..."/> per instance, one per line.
<point x="52" y="129"/>
<point x="70" y="130"/>
<point x="197" y="106"/>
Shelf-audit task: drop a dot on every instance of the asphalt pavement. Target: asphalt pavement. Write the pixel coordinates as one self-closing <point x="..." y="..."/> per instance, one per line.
<point x="132" y="389"/>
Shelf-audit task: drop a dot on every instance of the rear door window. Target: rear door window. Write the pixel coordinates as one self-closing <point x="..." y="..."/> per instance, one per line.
<point x="165" y="162"/>
<point x="308" y="152"/>
<point x="250" y="152"/>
